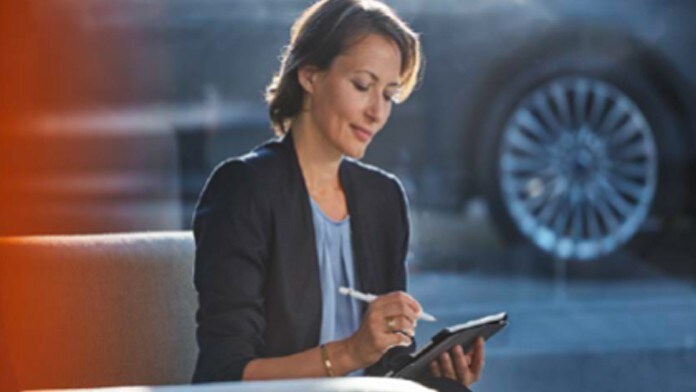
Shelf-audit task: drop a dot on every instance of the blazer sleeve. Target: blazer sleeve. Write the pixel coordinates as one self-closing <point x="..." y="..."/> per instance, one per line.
<point x="229" y="275"/>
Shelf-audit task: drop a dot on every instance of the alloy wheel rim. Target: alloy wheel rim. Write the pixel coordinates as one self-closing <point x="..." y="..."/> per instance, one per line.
<point x="578" y="167"/>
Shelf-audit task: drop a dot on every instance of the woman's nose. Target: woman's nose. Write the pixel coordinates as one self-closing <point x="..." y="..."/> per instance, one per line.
<point x="376" y="110"/>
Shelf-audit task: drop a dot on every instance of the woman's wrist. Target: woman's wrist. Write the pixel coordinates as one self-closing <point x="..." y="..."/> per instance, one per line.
<point x="343" y="358"/>
<point x="326" y="361"/>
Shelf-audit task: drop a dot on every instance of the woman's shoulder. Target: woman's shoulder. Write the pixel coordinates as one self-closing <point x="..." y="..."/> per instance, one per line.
<point x="258" y="166"/>
<point x="266" y="157"/>
<point x="380" y="192"/>
<point x="372" y="177"/>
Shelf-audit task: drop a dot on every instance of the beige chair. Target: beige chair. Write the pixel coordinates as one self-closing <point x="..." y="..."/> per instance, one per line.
<point x="97" y="310"/>
<point x="114" y="310"/>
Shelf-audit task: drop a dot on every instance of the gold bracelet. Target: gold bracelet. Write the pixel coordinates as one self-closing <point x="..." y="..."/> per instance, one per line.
<point x="325" y="359"/>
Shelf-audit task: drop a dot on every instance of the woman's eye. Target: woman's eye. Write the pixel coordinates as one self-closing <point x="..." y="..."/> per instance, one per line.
<point x="360" y="87"/>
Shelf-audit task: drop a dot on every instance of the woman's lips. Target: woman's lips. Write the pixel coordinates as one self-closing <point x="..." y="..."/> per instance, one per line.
<point x="362" y="134"/>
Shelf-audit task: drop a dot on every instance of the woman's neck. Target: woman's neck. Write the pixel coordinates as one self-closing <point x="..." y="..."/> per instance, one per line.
<point x="318" y="159"/>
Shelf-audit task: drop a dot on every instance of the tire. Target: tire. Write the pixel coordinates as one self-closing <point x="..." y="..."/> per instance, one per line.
<point x="581" y="157"/>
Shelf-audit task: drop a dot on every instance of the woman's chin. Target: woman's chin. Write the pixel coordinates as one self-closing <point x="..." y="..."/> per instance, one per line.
<point x="355" y="153"/>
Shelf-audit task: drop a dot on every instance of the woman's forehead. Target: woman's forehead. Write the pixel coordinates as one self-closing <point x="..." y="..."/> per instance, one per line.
<point x="373" y="55"/>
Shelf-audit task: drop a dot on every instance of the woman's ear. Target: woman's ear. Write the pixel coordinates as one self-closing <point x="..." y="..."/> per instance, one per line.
<point x="307" y="76"/>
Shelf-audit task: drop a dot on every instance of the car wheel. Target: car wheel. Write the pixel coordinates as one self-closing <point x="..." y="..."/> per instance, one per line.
<point x="580" y="160"/>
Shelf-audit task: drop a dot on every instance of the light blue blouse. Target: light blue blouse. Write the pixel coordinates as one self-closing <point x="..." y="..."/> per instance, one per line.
<point x="340" y="315"/>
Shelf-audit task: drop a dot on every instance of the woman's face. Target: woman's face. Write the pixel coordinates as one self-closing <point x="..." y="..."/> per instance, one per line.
<point x="352" y="100"/>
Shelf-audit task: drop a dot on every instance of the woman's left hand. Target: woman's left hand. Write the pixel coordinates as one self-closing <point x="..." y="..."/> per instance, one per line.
<point x="457" y="365"/>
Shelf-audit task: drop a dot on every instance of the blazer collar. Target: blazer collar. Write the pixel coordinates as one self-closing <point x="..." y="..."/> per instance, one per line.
<point x="359" y="233"/>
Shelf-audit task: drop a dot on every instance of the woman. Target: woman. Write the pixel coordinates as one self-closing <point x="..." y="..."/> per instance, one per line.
<point x="279" y="230"/>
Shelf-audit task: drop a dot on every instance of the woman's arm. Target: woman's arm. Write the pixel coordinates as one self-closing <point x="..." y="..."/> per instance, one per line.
<point x="389" y="321"/>
<point x="306" y="364"/>
<point x="230" y="229"/>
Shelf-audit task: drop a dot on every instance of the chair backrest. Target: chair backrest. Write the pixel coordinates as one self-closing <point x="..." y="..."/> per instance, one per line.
<point x="98" y="310"/>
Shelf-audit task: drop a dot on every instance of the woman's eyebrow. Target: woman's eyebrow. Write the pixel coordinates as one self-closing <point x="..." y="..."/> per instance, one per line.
<point x="376" y="78"/>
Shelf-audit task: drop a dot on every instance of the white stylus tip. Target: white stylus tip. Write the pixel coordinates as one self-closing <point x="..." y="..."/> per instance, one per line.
<point x="427" y="317"/>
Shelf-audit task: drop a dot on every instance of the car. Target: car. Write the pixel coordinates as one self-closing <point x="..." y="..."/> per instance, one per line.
<point x="573" y="121"/>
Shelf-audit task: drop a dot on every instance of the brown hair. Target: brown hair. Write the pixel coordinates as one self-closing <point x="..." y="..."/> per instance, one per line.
<point x="325" y="30"/>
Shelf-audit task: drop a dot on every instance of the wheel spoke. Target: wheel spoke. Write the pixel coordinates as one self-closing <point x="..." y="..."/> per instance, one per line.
<point x="581" y="95"/>
<point x="547" y="114"/>
<point x="630" y="170"/>
<point x="627" y="187"/>
<point x="561" y="221"/>
<point x="534" y="203"/>
<point x="624" y="133"/>
<point x="528" y="163"/>
<point x="600" y="100"/>
<point x="632" y="151"/>
<point x="561" y="102"/>
<point x="529" y="122"/>
<point x="607" y="215"/>
<point x="549" y="210"/>
<point x="592" y="223"/>
<point x="520" y="141"/>
<point x="615" y="199"/>
<point x="576" y="225"/>
<point x="612" y="118"/>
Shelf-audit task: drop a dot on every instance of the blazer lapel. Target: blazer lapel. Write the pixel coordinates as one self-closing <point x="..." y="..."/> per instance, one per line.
<point x="359" y="233"/>
<point x="307" y="262"/>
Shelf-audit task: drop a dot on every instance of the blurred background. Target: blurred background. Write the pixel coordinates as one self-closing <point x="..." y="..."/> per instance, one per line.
<point x="549" y="157"/>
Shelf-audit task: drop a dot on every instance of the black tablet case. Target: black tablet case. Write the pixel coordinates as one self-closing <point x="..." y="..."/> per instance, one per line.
<point x="464" y="334"/>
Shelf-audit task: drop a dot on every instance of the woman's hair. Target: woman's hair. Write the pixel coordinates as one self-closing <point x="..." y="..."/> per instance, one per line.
<point x="325" y="30"/>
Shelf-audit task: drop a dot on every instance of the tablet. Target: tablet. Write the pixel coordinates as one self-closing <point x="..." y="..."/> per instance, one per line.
<point x="461" y="334"/>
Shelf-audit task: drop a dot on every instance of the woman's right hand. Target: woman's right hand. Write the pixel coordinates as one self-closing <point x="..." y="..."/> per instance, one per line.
<point x="389" y="321"/>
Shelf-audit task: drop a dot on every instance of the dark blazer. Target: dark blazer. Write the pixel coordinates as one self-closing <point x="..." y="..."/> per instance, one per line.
<point x="256" y="269"/>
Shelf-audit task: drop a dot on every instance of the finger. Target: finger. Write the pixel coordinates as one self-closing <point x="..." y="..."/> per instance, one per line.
<point x="400" y="339"/>
<point x="394" y="324"/>
<point x="478" y="343"/>
<point x="435" y="369"/>
<point x="461" y="364"/>
<point x="388" y="340"/>
<point x="478" y="358"/>
<point x="399" y="309"/>
<point x="401" y="297"/>
<point x="447" y="367"/>
<point x="408" y="332"/>
<point x="477" y="353"/>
